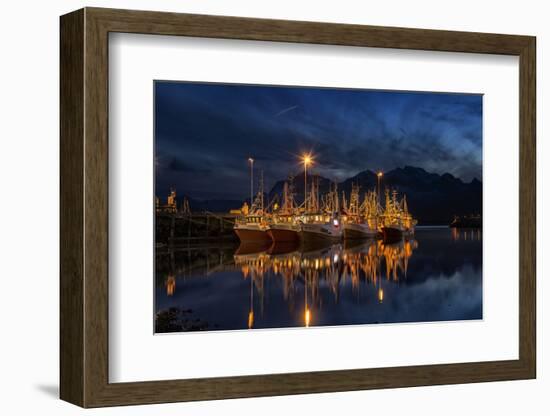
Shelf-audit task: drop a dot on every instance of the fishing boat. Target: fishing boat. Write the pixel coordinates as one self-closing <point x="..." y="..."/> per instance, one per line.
<point x="359" y="230"/>
<point x="321" y="222"/>
<point x="252" y="226"/>
<point x="397" y="222"/>
<point x="284" y="229"/>
<point x="320" y="227"/>
<point x="283" y="226"/>
<point x="360" y="221"/>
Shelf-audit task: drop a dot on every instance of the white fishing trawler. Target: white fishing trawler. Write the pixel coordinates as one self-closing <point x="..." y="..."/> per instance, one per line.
<point x="320" y="227"/>
<point x="318" y="223"/>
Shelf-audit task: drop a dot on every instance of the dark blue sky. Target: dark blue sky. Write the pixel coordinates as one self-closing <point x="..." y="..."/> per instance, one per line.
<point x="204" y="134"/>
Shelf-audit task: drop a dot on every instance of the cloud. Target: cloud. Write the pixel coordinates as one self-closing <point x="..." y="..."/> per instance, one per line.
<point x="178" y="165"/>
<point x="205" y="133"/>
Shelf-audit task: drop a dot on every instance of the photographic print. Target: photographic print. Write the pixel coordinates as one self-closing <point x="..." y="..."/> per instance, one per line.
<point x="295" y="206"/>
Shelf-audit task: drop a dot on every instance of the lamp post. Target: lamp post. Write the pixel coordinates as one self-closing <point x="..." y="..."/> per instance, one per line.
<point x="307" y="161"/>
<point x="251" y="161"/>
<point x="379" y="177"/>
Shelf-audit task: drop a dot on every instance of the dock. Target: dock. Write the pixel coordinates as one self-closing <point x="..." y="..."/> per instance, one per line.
<point x="183" y="228"/>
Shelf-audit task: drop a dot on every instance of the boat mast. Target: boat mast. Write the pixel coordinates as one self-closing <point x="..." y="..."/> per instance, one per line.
<point x="291" y="194"/>
<point x="288" y="197"/>
<point x="284" y="208"/>
<point x="335" y="198"/>
<point x="354" y="200"/>
<point x="317" y="193"/>
<point x="344" y="202"/>
<point x="314" y="195"/>
<point x="261" y="191"/>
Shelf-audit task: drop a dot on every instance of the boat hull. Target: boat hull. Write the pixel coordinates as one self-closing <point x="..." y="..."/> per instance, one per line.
<point x="392" y="233"/>
<point x="248" y="235"/>
<point x="359" y="231"/>
<point x="319" y="232"/>
<point x="282" y="234"/>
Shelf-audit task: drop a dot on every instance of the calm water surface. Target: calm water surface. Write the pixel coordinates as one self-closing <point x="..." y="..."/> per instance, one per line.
<point x="435" y="277"/>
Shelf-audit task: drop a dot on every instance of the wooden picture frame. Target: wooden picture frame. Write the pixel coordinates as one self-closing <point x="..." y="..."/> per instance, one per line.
<point x="84" y="207"/>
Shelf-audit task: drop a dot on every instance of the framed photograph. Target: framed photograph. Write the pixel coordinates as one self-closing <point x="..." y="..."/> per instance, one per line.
<point x="257" y="207"/>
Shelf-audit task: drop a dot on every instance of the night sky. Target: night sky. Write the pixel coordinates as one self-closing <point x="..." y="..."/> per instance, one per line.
<point x="204" y="134"/>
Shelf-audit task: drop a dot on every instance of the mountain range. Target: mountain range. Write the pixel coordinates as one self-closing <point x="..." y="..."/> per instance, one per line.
<point x="431" y="198"/>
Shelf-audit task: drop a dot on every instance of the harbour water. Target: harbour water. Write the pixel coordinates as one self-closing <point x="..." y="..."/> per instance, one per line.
<point x="437" y="276"/>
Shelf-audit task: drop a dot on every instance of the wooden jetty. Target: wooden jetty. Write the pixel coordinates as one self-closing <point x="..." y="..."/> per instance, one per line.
<point x="176" y="228"/>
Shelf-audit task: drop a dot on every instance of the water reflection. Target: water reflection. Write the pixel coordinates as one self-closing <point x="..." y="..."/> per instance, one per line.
<point x="330" y="266"/>
<point x="170" y="285"/>
<point x="280" y="285"/>
<point x="466" y="234"/>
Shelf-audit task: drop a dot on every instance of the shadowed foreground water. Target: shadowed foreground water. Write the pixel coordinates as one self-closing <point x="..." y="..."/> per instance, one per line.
<point x="436" y="277"/>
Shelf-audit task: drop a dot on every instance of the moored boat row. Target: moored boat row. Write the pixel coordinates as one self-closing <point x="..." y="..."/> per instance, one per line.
<point x="298" y="228"/>
<point x="324" y="219"/>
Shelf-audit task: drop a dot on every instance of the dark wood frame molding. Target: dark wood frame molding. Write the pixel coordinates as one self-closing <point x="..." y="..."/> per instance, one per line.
<point x="84" y="209"/>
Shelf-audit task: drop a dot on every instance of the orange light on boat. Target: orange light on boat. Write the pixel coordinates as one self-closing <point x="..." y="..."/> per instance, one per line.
<point x="307" y="317"/>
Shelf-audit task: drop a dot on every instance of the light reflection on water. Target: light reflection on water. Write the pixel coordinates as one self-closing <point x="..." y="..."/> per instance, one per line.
<point x="435" y="277"/>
